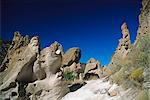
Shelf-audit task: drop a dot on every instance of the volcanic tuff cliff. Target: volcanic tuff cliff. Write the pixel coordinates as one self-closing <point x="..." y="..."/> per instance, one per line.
<point x="29" y="72"/>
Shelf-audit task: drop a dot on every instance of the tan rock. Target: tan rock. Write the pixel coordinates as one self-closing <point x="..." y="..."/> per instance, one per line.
<point x="121" y="52"/>
<point x="72" y="55"/>
<point x="92" y="69"/>
<point x="73" y="68"/>
<point x="52" y="88"/>
<point x="49" y="85"/>
<point x="144" y="19"/>
<point x="124" y="42"/>
<point x="26" y="64"/>
<point x="18" y="44"/>
<point x="91" y="60"/>
<point x="49" y="61"/>
<point x="113" y="93"/>
<point x="19" y="64"/>
<point x="92" y="64"/>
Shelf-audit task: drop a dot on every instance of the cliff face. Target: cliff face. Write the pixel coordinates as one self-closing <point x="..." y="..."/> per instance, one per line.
<point x="125" y="48"/>
<point x="122" y="50"/>
<point x="144" y="18"/>
<point x="130" y="65"/>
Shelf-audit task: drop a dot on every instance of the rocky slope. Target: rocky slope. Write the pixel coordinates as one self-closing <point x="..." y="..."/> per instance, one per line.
<point x="28" y="72"/>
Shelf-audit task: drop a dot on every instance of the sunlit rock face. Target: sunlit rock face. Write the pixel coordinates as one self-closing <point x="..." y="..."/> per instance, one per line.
<point x="144" y="18"/>
<point x="49" y="60"/>
<point x="18" y="64"/>
<point x="72" y="55"/>
<point x="92" y="69"/>
<point x="124" y="42"/>
<point x="49" y="84"/>
<point x="25" y="64"/>
<point x="121" y="52"/>
<point x="72" y="68"/>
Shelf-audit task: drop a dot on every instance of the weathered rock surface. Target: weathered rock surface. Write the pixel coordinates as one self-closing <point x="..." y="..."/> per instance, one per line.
<point x="49" y="84"/>
<point x="121" y="52"/>
<point x="49" y="61"/>
<point x="50" y="88"/>
<point x="144" y="18"/>
<point x="72" y="68"/>
<point x="71" y="56"/>
<point x="19" y="59"/>
<point x="28" y="73"/>
<point x="18" y="43"/>
<point x="92" y="69"/>
<point x="4" y="46"/>
<point x="124" y="43"/>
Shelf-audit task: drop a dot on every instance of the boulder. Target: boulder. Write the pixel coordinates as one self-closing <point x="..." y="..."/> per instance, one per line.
<point x="73" y="68"/>
<point x="50" y="85"/>
<point x="52" y="88"/>
<point x="92" y="68"/>
<point x="49" y="61"/>
<point x="71" y="56"/>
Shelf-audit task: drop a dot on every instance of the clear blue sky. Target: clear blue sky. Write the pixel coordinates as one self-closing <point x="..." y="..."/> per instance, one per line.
<point x="91" y="25"/>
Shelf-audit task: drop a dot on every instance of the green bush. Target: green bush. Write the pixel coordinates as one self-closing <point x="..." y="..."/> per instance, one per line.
<point x="69" y="76"/>
<point x="137" y="75"/>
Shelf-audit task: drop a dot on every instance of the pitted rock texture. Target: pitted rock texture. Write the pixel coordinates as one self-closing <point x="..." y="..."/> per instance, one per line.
<point x="19" y="65"/>
<point x="92" y="69"/>
<point x="26" y="66"/>
<point x="72" y="55"/>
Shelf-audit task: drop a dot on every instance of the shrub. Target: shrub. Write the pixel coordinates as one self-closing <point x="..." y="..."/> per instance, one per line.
<point x="69" y="76"/>
<point x="120" y="76"/>
<point x="137" y="75"/>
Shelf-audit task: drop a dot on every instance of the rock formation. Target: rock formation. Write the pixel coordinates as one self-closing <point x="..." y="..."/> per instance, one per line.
<point x="25" y="67"/>
<point x="72" y="68"/>
<point x="49" y="84"/>
<point x="19" y="61"/>
<point x="124" y="42"/>
<point x="72" y="55"/>
<point x="4" y="46"/>
<point x="122" y="50"/>
<point x="92" y="69"/>
<point x="29" y="73"/>
<point x="18" y="42"/>
<point x="144" y="18"/>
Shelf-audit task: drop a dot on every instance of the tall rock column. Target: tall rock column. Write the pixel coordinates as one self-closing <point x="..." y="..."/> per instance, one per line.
<point x="144" y="18"/>
<point x="122" y="50"/>
<point x="124" y="42"/>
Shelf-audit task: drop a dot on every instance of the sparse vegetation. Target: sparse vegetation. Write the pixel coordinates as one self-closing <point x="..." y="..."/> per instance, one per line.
<point x="137" y="75"/>
<point x="143" y="95"/>
<point x="131" y="72"/>
<point x="69" y="76"/>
